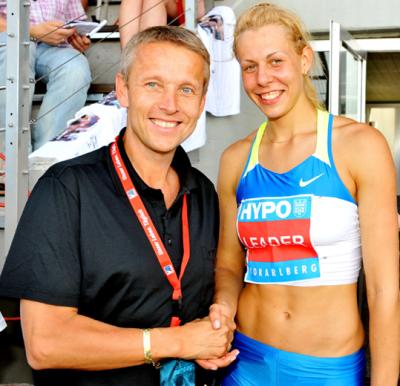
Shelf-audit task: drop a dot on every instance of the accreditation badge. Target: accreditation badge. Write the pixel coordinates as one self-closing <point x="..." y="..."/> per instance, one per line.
<point x="177" y="372"/>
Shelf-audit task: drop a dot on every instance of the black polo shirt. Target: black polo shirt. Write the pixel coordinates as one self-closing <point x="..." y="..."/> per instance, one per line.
<point x="79" y="244"/>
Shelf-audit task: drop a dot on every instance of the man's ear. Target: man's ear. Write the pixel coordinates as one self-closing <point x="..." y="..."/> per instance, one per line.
<point x="202" y="104"/>
<point x="307" y="58"/>
<point x="121" y="90"/>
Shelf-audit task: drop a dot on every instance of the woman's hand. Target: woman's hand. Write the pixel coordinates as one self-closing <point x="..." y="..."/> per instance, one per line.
<point x="215" y="364"/>
<point x="200" y="340"/>
<point x="221" y="314"/>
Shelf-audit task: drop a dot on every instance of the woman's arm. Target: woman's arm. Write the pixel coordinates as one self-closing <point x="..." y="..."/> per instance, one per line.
<point x="375" y="177"/>
<point x="230" y="254"/>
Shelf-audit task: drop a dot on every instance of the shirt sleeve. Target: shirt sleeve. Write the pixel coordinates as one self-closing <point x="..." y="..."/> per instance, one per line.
<point x="3" y="9"/>
<point x="74" y="11"/>
<point x="44" y="261"/>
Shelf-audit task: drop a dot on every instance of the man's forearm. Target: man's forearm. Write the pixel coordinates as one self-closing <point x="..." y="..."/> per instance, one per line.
<point x="79" y="342"/>
<point x="57" y="337"/>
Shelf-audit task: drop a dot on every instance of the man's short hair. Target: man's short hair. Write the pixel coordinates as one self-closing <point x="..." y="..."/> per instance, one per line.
<point x="169" y="34"/>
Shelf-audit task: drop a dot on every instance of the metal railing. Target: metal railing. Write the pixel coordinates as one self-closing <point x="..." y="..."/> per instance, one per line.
<point x="17" y="116"/>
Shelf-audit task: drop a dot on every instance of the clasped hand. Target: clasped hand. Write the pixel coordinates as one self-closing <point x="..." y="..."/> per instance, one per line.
<point x="211" y="338"/>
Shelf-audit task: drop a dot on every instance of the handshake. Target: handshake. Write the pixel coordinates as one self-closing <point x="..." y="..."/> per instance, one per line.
<point x="209" y="340"/>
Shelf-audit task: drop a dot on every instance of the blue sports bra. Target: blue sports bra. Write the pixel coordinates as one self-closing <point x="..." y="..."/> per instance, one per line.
<point x="300" y="227"/>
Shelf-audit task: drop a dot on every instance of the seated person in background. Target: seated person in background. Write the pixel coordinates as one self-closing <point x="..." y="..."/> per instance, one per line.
<point x="137" y="15"/>
<point x="51" y="57"/>
<point x="100" y="284"/>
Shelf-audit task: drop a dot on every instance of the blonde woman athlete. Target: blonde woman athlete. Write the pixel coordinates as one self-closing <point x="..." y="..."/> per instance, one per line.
<point x="305" y="200"/>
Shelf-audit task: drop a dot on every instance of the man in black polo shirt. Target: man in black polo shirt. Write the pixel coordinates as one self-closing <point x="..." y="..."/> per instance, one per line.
<point x="117" y="246"/>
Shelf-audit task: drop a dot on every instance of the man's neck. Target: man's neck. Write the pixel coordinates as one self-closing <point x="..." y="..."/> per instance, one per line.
<point x="153" y="168"/>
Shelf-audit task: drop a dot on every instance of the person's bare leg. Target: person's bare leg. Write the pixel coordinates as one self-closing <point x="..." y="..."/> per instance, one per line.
<point x="201" y="9"/>
<point x="172" y="9"/>
<point x="154" y="13"/>
<point x="130" y="13"/>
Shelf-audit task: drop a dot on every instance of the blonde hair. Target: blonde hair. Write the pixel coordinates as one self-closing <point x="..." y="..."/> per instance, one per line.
<point x="168" y="34"/>
<point x="264" y="14"/>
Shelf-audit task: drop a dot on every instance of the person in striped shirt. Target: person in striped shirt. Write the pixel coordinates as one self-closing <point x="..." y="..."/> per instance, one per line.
<point x="55" y="57"/>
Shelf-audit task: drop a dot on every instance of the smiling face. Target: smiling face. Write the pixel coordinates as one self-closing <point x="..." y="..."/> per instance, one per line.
<point x="272" y="70"/>
<point x="164" y="95"/>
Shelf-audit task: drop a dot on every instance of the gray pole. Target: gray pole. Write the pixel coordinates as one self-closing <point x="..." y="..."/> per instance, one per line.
<point x="191" y="14"/>
<point x="17" y="116"/>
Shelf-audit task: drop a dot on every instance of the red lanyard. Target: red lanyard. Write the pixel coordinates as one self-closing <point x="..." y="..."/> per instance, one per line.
<point x="152" y="234"/>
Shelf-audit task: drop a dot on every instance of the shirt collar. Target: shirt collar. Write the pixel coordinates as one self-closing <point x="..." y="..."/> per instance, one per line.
<point x="180" y="163"/>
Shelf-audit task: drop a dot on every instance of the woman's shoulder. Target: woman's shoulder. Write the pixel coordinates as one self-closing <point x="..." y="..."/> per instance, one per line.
<point x="234" y="159"/>
<point x="361" y="146"/>
<point x="347" y="125"/>
<point x="351" y="133"/>
<point x="239" y="150"/>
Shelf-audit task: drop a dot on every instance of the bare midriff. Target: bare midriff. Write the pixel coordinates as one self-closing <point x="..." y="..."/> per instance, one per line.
<point x="321" y="321"/>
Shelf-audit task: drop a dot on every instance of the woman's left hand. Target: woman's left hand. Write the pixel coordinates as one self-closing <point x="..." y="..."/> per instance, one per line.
<point x="215" y="364"/>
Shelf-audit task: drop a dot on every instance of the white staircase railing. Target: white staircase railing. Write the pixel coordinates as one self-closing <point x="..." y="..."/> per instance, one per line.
<point x="17" y="117"/>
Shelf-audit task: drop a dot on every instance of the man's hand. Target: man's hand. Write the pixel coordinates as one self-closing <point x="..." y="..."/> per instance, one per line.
<point x="51" y="32"/>
<point x="79" y="42"/>
<point x="199" y="340"/>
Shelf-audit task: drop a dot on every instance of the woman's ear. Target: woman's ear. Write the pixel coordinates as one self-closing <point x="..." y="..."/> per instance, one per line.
<point x="307" y="58"/>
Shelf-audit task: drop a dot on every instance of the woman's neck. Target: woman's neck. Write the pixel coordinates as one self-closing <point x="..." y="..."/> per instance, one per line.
<point x="301" y="118"/>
